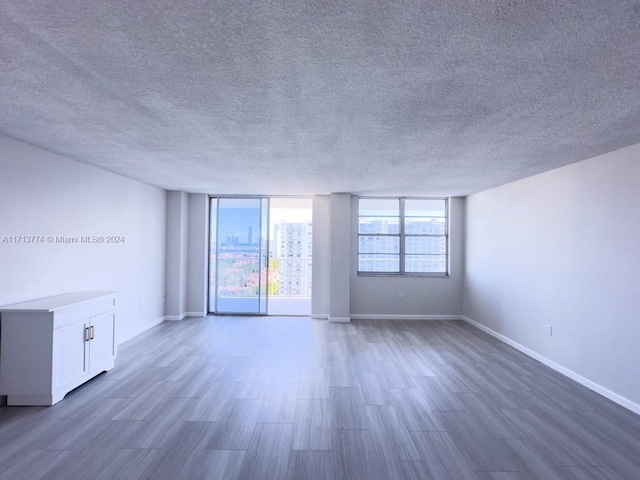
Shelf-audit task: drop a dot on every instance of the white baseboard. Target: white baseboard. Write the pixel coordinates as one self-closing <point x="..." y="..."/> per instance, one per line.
<point x="144" y="328"/>
<point x="158" y="321"/>
<point x="369" y="316"/>
<point x="339" y="319"/>
<point x="605" y="392"/>
<point x="319" y="316"/>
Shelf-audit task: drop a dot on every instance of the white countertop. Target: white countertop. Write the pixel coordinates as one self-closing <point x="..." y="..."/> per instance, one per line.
<point x="57" y="302"/>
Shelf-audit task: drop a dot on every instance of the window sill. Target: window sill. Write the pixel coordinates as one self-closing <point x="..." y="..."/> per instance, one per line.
<point x="403" y="275"/>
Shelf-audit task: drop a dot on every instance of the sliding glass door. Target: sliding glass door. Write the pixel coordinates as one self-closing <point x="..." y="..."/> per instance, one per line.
<point x="260" y="255"/>
<point x="239" y="257"/>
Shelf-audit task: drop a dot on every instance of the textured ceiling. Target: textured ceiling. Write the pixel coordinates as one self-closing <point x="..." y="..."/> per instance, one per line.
<point x="302" y="97"/>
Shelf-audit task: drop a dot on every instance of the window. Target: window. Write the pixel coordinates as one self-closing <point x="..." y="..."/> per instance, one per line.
<point x="405" y="236"/>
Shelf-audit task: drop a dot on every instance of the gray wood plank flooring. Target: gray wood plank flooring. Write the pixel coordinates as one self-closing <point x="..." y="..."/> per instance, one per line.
<point x="239" y="398"/>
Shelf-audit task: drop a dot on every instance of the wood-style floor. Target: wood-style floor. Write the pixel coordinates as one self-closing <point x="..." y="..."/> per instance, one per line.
<point x="295" y="398"/>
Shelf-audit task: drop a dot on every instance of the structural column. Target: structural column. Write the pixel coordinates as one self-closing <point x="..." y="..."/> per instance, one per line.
<point x="197" y="253"/>
<point x="176" y="263"/>
<point x="321" y="257"/>
<point x="340" y="261"/>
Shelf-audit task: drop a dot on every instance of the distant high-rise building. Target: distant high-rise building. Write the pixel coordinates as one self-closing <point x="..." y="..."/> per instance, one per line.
<point x="293" y="247"/>
<point x="425" y="247"/>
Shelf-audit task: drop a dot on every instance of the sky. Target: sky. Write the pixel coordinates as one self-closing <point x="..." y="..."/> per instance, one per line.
<point x="237" y="215"/>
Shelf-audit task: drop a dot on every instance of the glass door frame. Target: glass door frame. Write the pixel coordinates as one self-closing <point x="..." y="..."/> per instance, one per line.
<point x="263" y="255"/>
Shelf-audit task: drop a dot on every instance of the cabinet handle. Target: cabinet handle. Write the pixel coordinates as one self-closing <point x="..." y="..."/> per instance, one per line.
<point x="87" y="336"/>
<point x="92" y="332"/>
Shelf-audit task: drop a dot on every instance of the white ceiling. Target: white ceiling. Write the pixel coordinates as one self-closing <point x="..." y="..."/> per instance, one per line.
<point x="309" y="96"/>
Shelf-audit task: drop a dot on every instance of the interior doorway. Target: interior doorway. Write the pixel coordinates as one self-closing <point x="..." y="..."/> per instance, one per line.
<point x="260" y="255"/>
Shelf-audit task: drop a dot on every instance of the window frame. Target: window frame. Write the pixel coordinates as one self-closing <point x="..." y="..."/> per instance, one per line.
<point x="402" y="235"/>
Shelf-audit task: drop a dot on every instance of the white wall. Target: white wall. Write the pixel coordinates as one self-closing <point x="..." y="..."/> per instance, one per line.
<point x="562" y="249"/>
<point x="422" y="297"/>
<point x="46" y="194"/>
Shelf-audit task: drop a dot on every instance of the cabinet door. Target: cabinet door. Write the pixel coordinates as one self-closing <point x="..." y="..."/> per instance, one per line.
<point x="102" y="344"/>
<point x="71" y="363"/>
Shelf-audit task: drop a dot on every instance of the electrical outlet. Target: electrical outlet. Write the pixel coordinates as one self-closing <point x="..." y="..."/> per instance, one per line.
<point x="549" y="330"/>
<point x="401" y="296"/>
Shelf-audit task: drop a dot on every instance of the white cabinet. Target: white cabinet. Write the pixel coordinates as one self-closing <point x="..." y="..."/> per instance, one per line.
<point x="50" y="346"/>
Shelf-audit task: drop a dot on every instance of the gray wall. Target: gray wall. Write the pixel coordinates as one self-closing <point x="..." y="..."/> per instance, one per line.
<point x="335" y="267"/>
<point x="561" y="249"/>
<point x="46" y="194"/>
<point x="411" y="297"/>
